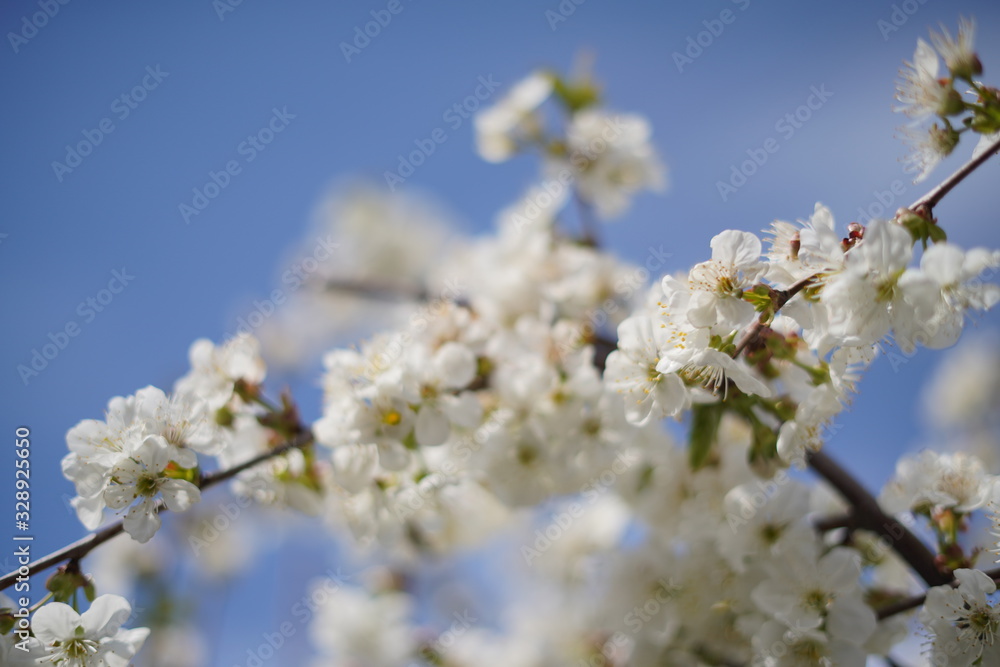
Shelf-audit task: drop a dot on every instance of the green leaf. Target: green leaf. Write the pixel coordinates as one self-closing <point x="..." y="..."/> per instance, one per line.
<point x="6" y="620"/>
<point x="410" y="441"/>
<point x="936" y="234"/>
<point x="576" y="96"/>
<point x="704" y="430"/>
<point x="764" y="447"/>
<point x="922" y="229"/>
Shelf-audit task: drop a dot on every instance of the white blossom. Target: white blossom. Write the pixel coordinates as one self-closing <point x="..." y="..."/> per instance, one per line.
<point x="95" y="638"/>
<point x="502" y="128"/>
<point x="611" y="158"/>
<point x="930" y="481"/>
<point x="717" y="285"/>
<point x="963" y="624"/>
<point x="141" y="477"/>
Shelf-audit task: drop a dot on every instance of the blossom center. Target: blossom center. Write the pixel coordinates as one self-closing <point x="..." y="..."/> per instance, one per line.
<point x="76" y="650"/>
<point x="146" y="485"/>
<point x="818" y="600"/>
<point x="980" y="626"/>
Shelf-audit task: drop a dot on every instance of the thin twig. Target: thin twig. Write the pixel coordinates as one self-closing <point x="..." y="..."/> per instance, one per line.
<point x="84" y="546"/>
<point x="588" y="226"/>
<point x="782" y="297"/>
<point x="379" y="291"/>
<point x="931" y="199"/>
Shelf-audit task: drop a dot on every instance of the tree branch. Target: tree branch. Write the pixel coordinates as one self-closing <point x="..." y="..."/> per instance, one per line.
<point x="834" y="522"/>
<point x="84" y="546"/>
<point x="869" y="515"/>
<point x="931" y="199"/>
<point x="917" y="600"/>
<point x="375" y="290"/>
<point x="782" y="297"/>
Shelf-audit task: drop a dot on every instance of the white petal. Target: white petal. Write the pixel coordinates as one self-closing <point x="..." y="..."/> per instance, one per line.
<point x="179" y="495"/>
<point x="851" y="619"/>
<point x="736" y="248"/>
<point x="455" y="365"/>
<point x="118" y="496"/>
<point x="90" y="510"/>
<point x="106" y="616"/>
<point x="55" y="622"/>
<point x="141" y="522"/>
<point x="432" y="427"/>
<point x="943" y="262"/>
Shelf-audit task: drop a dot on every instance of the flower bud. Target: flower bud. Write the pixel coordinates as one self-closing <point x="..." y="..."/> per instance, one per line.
<point x="951" y="104"/>
<point x="942" y="140"/>
<point x="965" y="66"/>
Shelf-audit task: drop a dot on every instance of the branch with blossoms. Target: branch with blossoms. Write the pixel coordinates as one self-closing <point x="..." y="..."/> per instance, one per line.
<point x="544" y="384"/>
<point x="79" y="549"/>
<point x="865" y="511"/>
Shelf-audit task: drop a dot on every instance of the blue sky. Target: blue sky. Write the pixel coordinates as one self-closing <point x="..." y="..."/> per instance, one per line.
<point x="209" y="78"/>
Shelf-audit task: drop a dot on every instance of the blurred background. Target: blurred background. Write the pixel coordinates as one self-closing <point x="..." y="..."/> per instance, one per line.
<point x="168" y="94"/>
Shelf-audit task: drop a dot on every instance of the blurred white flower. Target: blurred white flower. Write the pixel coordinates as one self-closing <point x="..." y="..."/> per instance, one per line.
<point x="502" y="128"/>
<point x="963" y="624"/>
<point x="612" y="159"/>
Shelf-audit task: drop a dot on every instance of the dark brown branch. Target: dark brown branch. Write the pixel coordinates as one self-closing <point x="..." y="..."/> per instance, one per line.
<point x="84" y="546"/>
<point x="869" y="515"/>
<point x="833" y="522"/>
<point x="931" y="199"/>
<point x="917" y="600"/>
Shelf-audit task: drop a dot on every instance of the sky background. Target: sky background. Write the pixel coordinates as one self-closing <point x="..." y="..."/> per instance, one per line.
<point x="225" y="74"/>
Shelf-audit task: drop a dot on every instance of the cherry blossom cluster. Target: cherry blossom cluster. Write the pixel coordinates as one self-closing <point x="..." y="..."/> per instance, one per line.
<point x="925" y="92"/>
<point x="606" y="156"/>
<point x="146" y="449"/>
<point x="520" y="390"/>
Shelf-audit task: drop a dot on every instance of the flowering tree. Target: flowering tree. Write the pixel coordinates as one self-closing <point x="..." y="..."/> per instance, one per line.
<point x="536" y="387"/>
